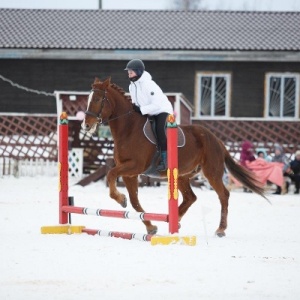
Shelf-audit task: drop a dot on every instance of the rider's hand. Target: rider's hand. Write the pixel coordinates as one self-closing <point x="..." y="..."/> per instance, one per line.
<point x="136" y="108"/>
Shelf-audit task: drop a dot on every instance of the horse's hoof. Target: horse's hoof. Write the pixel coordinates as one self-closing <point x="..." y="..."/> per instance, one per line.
<point x="124" y="202"/>
<point x="153" y="230"/>
<point x="220" y="234"/>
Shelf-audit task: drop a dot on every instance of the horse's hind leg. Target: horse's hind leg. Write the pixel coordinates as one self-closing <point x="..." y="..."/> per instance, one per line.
<point x="187" y="194"/>
<point x="131" y="184"/>
<point x="217" y="184"/>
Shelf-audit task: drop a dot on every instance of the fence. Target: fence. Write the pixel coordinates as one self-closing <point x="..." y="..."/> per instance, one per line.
<point x="261" y="132"/>
<point x="29" y="142"/>
<point x="27" y="167"/>
<point x="28" y="146"/>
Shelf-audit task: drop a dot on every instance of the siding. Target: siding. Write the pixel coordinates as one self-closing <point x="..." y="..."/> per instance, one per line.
<point x="247" y="82"/>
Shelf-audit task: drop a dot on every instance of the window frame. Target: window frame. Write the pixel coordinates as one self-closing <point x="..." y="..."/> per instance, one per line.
<point x="213" y="75"/>
<point x="282" y="76"/>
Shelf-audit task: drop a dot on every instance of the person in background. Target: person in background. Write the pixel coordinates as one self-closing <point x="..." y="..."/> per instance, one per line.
<point x="247" y="154"/>
<point x="295" y="167"/>
<point x="279" y="156"/>
<point x="148" y="99"/>
<point x="262" y="153"/>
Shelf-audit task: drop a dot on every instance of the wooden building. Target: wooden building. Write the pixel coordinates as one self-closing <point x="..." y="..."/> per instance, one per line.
<point x="232" y="66"/>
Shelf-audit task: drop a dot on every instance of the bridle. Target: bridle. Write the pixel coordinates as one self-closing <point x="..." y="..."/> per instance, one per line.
<point x="99" y="115"/>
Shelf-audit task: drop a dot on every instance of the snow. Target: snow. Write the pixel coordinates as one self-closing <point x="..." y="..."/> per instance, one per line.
<point x="258" y="259"/>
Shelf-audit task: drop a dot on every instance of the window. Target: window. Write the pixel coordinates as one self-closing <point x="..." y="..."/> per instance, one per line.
<point x="213" y="94"/>
<point x="282" y="95"/>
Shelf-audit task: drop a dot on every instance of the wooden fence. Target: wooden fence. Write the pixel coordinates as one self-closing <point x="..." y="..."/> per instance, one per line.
<point x="32" y="139"/>
<point x="26" y="141"/>
<point x="262" y="133"/>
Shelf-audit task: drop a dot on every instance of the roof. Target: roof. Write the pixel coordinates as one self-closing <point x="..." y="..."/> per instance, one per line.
<point x="149" y="30"/>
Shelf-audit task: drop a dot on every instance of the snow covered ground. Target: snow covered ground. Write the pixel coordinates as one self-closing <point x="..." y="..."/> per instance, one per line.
<point x="258" y="259"/>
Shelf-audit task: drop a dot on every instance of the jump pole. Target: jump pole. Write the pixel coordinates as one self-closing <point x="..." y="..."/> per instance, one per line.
<point x="172" y="173"/>
<point x="63" y="167"/>
<point x="66" y="208"/>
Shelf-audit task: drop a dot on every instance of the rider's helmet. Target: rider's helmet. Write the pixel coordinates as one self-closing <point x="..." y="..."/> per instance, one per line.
<point x="136" y="65"/>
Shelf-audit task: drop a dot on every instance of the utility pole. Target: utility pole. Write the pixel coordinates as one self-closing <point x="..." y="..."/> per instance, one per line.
<point x="100" y="4"/>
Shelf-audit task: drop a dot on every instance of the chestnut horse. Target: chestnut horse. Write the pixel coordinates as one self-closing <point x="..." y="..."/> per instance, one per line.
<point x="133" y="153"/>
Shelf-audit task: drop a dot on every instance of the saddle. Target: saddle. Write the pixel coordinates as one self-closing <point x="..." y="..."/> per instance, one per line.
<point x="149" y="132"/>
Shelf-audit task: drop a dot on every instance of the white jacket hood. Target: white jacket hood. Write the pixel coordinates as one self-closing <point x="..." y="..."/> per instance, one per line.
<point x="148" y="96"/>
<point x="145" y="76"/>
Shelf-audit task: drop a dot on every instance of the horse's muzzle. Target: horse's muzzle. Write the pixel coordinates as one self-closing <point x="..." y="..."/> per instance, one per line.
<point x="88" y="128"/>
<point x="85" y="126"/>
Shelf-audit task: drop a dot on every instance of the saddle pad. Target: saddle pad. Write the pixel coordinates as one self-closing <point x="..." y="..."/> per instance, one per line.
<point x="148" y="132"/>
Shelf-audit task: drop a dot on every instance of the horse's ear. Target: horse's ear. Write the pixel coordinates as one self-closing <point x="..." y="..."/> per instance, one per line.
<point x="106" y="82"/>
<point x="97" y="80"/>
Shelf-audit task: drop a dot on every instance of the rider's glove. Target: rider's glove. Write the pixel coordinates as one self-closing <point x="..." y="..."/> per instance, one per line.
<point x="136" y="108"/>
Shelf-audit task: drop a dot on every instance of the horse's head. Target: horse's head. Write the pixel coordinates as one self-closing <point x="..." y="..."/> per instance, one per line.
<point x="98" y="107"/>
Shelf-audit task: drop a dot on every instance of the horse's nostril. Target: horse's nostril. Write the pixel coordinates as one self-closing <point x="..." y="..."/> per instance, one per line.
<point x="87" y="126"/>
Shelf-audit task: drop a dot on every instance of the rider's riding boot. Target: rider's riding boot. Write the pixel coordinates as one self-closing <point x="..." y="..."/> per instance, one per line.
<point x="162" y="166"/>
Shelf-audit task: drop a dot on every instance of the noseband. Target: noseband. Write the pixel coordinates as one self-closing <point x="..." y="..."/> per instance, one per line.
<point x="98" y="116"/>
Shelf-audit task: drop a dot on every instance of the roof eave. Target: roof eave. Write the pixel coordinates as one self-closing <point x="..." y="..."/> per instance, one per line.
<point x="163" y="55"/>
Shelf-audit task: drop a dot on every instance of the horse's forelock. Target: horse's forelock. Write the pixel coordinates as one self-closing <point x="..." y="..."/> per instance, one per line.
<point x="97" y="85"/>
<point x="96" y="80"/>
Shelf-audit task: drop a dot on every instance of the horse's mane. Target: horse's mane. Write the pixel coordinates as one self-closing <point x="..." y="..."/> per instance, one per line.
<point x="121" y="91"/>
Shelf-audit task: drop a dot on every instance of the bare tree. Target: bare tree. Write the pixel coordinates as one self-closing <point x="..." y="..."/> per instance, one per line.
<point x="187" y="4"/>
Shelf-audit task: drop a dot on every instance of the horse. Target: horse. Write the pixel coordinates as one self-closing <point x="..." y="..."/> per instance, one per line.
<point x="133" y="153"/>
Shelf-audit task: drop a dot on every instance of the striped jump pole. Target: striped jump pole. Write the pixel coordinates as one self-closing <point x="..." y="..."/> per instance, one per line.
<point x="132" y="215"/>
<point x="66" y="208"/>
<point x="117" y="234"/>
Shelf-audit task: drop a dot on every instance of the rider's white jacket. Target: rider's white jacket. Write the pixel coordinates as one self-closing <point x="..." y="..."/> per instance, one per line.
<point x="149" y="97"/>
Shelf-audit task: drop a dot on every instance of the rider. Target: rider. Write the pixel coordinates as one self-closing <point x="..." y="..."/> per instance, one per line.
<point x="148" y="99"/>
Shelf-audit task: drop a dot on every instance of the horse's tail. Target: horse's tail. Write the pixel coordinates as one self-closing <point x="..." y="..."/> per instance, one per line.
<point x="245" y="177"/>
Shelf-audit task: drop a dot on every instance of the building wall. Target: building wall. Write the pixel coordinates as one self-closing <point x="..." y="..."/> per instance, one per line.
<point x="247" y="81"/>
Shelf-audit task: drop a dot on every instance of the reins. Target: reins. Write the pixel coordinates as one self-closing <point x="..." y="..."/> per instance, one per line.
<point x="117" y="117"/>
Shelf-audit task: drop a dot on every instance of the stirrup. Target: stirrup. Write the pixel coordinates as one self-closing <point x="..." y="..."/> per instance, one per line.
<point x="161" y="166"/>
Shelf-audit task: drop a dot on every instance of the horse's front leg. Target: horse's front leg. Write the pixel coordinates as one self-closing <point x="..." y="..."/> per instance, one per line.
<point x="113" y="191"/>
<point x="131" y="184"/>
